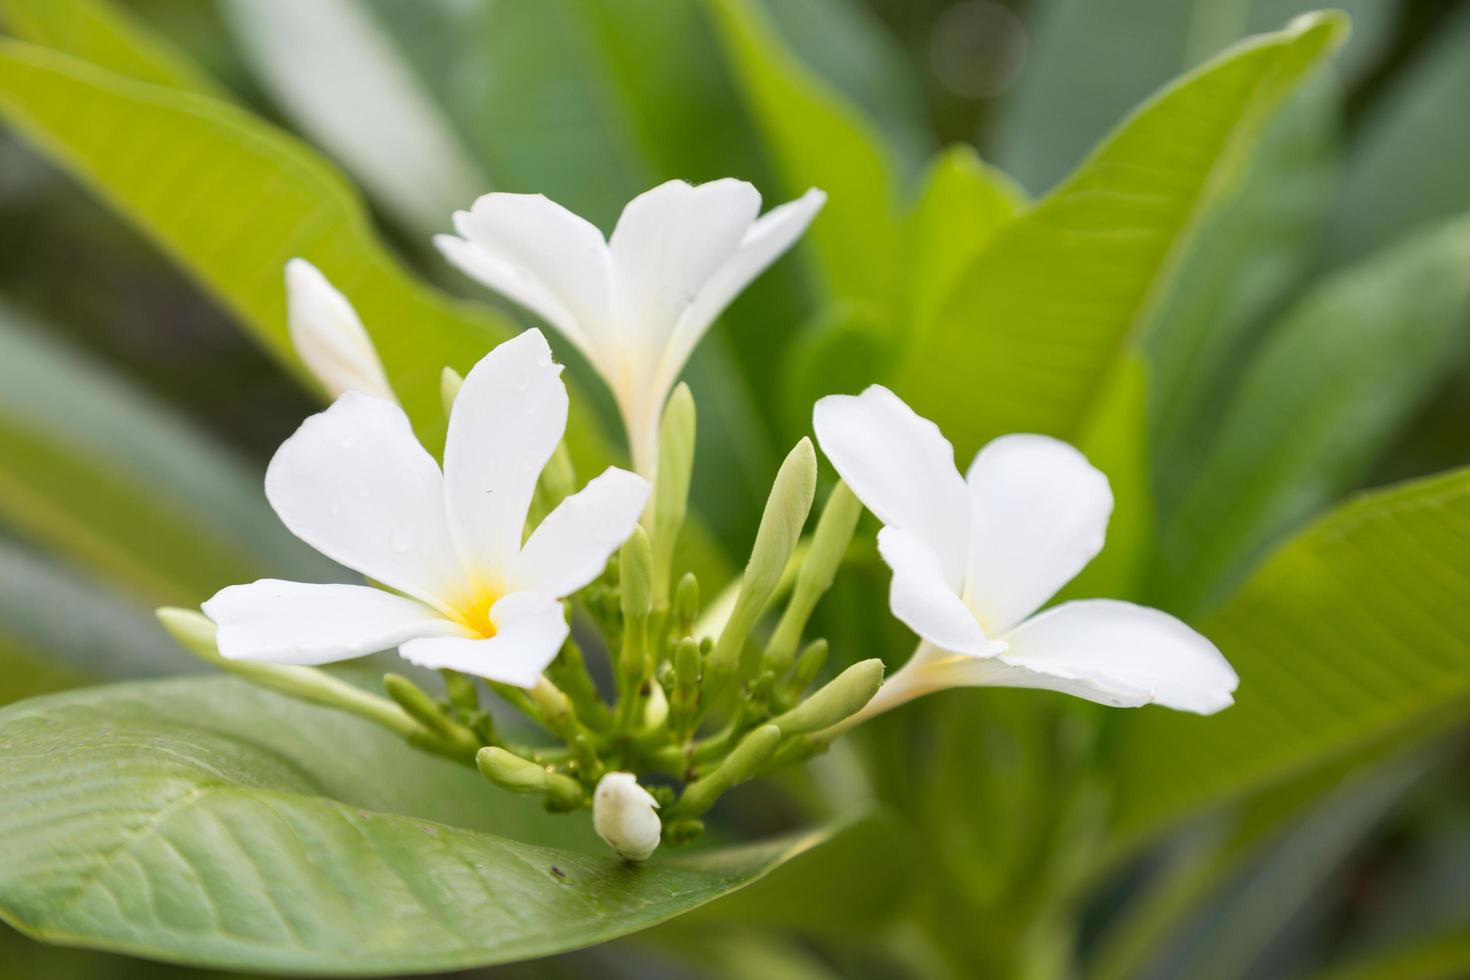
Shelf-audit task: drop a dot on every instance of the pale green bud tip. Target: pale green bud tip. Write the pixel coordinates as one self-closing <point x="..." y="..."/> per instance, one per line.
<point x="624" y="814"/>
<point x="785" y="515"/>
<point x="192" y="629"/>
<point x="686" y="599"/>
<point x="450" y="381"/>
<point x="636" y="575"/>
<point x="844" y="696"/>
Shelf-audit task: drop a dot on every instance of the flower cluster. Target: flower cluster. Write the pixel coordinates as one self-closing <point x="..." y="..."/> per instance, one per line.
<point x="495" y="567"/>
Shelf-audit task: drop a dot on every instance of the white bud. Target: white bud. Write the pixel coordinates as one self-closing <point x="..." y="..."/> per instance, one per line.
<point x="623" y="815"/>
<point x="329" y="336"/>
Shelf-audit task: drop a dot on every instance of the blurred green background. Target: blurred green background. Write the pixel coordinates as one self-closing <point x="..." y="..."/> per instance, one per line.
<point x="107" y="347"/>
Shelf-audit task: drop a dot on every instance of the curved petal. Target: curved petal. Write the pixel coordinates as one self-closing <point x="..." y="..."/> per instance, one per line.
<point x="924" y="602"/>
<point x="571" y="546"/>
<point x="327" y="333"/>
<point x="507" y="420"/>
<point x="668" y="242"/>
<point x="765" y="242"/>
<point x="1119" y="654"/>
<point x="514" y="284"/>
<point x="1039" y="513"/>
<point x="539" y="254"/>
<point x="355" y="484"/>
<point x="902" y="469"/>
<point x="530" y="629"/>
<point x="295" y="623"/>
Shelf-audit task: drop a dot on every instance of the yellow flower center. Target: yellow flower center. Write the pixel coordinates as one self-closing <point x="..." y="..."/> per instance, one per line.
<point x="474" y="611"/>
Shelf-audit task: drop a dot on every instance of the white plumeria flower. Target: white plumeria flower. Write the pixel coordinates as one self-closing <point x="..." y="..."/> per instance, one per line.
<point x="624" y="816"/>
<point x="636" y="304"/>
<point x="974" y="557"/>
<point x="328" y="335"/>
<point x="355" y="484"/>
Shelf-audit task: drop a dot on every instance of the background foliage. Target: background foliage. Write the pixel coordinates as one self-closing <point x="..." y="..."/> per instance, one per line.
<point x="1248" y="300"/>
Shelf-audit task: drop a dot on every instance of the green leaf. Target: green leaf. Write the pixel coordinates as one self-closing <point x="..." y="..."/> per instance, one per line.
<point x="341" y="79"/>
<point x="108" y="36"/>
<point x="1088" y="62"/>
<point x="118" y="483"/>
<point x="1330" y="390"/>
<point x="1350" y="636"/>
<point x="1442" y="957"/>
<point x="1407" y="169"/>
<point x="1251" y="251"/>
<point x="963" y="203"/>
<point x="207" y="822"/>
<point x="1046" y="310"/>
<point x="232" y="199"/>
<point x="818" y="140"/>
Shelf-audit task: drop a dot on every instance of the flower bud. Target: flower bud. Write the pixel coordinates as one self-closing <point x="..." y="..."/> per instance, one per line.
<point x="511" y="772"/>
<point x="686" y="604"/>
<point x="829" y="546"/>
<point x="623" y="814"/>
<point x="671" y="493"/>
<point x="753" y="751"/>
<point x="329" y="337"/>
<point x="845" y="695"/>
<point x="780" y="529"/>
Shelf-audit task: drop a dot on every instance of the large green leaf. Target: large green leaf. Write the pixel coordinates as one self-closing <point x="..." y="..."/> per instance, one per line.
<point x="1329" y="391"/>
<point x="1350" y="636"/>
<point x="1048" y="307"/>
<point x="1088" y="62"/>
<point x="232" y="199"/>
<point x="818" y="140"/>
<point x="108" y="36"/>
<point x="208" y="822"/>
<point x="1251" y="252"/>
<point x="113" y="479"/>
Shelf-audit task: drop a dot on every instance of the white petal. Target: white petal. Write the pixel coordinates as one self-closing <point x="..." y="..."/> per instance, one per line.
<point x="765" y="242"/>
<point x="329" y="336"/>
<point x="901" y="467"/>
<point x="507" y="419"/>
<point x="355" y="484"/>
<point x="529" y="630"/>
<point x="1039" y="514"/>
<point x="1119" y="654"/>
<point x="542" y="256"/>
<point x="514" y="284"/>
<point x="294" y="623"/>
<point x="572" y="545"/>
<point x="668" y="242"/>
<point x="922" y="599"/>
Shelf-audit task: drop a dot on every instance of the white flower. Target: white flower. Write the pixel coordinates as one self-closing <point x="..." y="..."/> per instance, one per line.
<point x="355" y="484"/>
<point x="974" y="557"/>
<point x="329" y="336"/>
<point x="623" y="815"/>
<point x="636" y="304"/>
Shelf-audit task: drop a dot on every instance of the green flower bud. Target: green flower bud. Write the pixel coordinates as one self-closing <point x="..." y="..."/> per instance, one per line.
<point x="636" y="575"/>
<point x="671" y="484"/>
<point x="809" y="664"/>
<point x="781" y="523"/>
<point x="829" y="546"/>
<point x="686" y="604"/>
<point x="450" y="381"/>
<point x="461" y="691"/>
<point x="843" y="696"/>
<point x="738" y="766"/>
<point x="656" y="709"/>
<point x="511" y="772"/>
